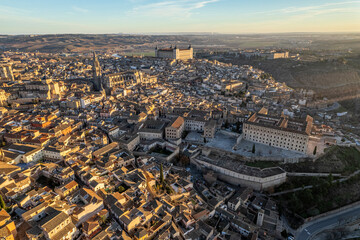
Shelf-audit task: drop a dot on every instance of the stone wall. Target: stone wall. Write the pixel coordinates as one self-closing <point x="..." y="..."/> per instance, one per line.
<point x="237" y="178"/>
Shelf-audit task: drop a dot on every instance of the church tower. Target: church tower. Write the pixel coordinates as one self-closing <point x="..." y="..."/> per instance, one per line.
<point x="97" y="73"/>
<point x="260" y="217"/>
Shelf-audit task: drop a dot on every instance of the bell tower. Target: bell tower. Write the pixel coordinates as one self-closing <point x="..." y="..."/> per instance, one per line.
<point x="260" y="217"/>
<point x="96" y="73"/>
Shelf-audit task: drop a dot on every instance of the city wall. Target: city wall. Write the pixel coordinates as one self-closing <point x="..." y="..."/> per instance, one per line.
<point x="206" y="151"/>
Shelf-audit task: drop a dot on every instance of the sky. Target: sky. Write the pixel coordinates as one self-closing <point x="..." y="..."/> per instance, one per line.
<point x="176" y="16"/>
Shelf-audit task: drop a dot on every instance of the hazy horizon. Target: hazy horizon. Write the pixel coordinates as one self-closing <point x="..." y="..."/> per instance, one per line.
<point x="182" y="16"/>
<point x="181" y="33"/>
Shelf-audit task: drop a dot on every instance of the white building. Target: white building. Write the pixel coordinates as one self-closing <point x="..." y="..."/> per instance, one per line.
<point x="279" y="132"/>
<point x="195" y="124"/>
<point x="28" y="153"/>
<point x="175" y="53"/>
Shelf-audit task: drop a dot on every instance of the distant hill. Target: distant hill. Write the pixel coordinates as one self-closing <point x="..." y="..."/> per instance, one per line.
<point x="330" y="79"/>
<point x="139" y="43"/>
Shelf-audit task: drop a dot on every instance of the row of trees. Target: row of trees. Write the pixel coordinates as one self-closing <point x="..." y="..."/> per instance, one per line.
<point x="163" y="185"/>
<point x="310" y="202"/>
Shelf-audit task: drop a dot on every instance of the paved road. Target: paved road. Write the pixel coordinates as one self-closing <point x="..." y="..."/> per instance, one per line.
<point x="291" y="190"/>
<point x="333" y="107"/>
<point x="312" y="228"/>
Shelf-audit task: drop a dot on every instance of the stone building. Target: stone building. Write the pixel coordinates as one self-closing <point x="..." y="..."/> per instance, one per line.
<point x="281" y="132"/>
<point x="175" y="53"/>
<point x="196" y="124"/>
<point x="175" y="129"/>
<point x="210" y="129"/>
<point x="152" y="129"/>
<point x="4" y="97"/>
<point x="7" y="227"/>
<point x="6" y="73"/>
<point x="128" y="79"/>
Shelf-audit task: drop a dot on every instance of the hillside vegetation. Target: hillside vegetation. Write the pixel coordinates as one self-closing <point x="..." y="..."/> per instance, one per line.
<point x="344" y="160"/>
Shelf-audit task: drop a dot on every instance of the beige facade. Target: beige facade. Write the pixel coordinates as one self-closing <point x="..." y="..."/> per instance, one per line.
<point x="6" y="72"/>
<point x="47" y="87"/>
<point x="278" y="132"/>
<point x="195" y="124"/>
<point x="129" y="141"/>
<point x="60" y="227"/>
<point x="150" y="134"/>
<point x="210" y="129"/>
<point x="175" y="53"/>
<point x="175" y="128"/>
<point x="4" y="97"/>
<point x="276" y="55"/>
<point x="89" y="204"/>
<point x="123" y="79"/>
<point x="128" y="79"/>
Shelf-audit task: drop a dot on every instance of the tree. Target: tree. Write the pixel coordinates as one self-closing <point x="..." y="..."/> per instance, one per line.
<point x="161" y="175"/>
<point x="330" y="179"/>
<point x="226" y="124"/>
<point x="204" y="140"/>
<point x="121" y="189"/>
<point x="307" y="197"/>
<point x="102" y="219"/>
<point x="184" y="160"/>
<point x="238" y="125"/>
<point x="315" y="149"/>
<point x="240" y="94"/>
<point x="253" y="148"/>
<point x="284" y="233"/>
<point x="294" y="203"/>
<point x="2" y="203"/>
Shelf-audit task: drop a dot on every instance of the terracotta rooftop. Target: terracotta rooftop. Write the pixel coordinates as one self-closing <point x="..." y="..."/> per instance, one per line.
<point x="71" y="184"/>
<point x="178" y="122"/>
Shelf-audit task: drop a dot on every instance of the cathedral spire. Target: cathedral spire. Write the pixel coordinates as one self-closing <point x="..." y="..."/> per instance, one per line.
<point x="96" y="72"/>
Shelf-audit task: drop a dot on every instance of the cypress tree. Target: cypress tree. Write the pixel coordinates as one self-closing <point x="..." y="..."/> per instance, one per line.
<point x="2" y="203"/>
<point x="161" y="175"/>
